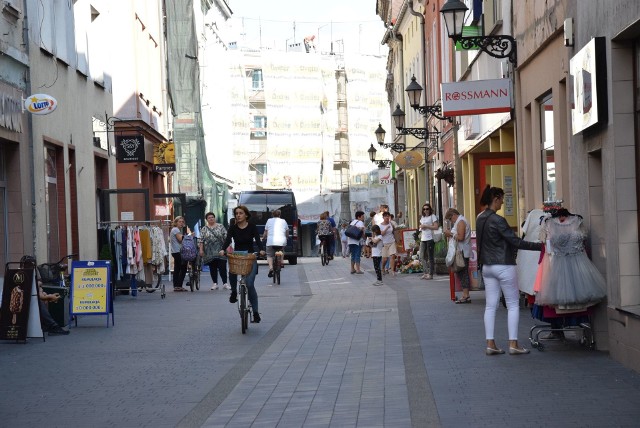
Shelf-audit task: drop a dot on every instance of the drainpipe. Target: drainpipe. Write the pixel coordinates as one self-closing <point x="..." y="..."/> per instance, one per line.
<point x="398" y="38"/>
<point x="423" y="41"/>
<point x="25" y="37"/>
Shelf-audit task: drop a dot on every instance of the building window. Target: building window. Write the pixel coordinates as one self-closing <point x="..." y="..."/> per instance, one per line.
<point x="547" y="149"/>
<point x="256" y="79"/>
<point x="259" y="126"/>
<point x="51" y="203"/>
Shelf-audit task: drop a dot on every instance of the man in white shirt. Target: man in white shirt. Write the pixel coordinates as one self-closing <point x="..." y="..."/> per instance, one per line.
<point x="388" y="241"/>
<point x="378" y="218"/>
<point x="276" y="232"/>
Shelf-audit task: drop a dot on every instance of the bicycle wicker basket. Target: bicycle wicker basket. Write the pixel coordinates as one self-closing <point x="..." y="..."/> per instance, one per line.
<point x="49" y="272"/>
<point x="240" y="264"/>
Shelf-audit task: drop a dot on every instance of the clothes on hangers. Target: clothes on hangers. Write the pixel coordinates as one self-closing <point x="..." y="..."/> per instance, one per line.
<point x="568" y="279"/>
<point x="527" y="261"/>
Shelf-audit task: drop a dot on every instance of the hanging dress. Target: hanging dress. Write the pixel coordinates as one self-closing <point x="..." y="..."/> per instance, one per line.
<point x="569" y="279"/>
<point x="528" y="260"/>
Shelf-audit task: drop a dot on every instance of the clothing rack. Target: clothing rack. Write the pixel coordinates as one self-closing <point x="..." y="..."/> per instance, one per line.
<point x="132" y="222"/>
<point x="156" y="279"/>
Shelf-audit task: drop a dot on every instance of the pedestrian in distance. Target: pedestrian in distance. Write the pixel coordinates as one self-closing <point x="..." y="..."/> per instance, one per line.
<point x="276" y="232"/>
<point x="375" y="242"/>
<point x="324" y="230"/>
<point x="244" y="235"/>
<point x="428" y="223"/>
<point x="212" y="236"/>
<point x="389" y="244"/>
<point x="179" y="266"/>
<point x="344" y="240"/>
<point x="497" y="247"/>
<point x="460" y="232"/>
<point x="355" y="245"/>
<point x="332" y="238"/>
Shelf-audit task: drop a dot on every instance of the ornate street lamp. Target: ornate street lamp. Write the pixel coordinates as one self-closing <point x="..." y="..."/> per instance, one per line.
<point x="498" y="46"/>
<point x="414" y="92"/>
<point x="420" y="133"/>
<point x="396" y="147"/>
<point x="382" y="163"/>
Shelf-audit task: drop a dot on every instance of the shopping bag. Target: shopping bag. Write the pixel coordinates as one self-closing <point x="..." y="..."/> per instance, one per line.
<point x="459" y="264"/>
<point x="451" y="253"/>
<point x="437" y="235"/>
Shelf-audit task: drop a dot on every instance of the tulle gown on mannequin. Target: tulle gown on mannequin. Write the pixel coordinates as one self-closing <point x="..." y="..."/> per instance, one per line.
<point x="569" y="279"/>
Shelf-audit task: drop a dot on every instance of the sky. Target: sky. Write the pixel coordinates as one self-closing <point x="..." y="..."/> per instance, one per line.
<point x="275" y="23"/>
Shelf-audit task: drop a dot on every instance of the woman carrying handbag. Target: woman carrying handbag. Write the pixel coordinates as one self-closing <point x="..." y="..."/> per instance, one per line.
<point x="461" y="233"/>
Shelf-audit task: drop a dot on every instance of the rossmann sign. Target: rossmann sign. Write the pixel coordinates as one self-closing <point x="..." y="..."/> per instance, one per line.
<point x="476" y="97"/>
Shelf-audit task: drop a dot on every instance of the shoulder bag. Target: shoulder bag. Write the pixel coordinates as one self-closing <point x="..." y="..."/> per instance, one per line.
<point x="353" y="231"/>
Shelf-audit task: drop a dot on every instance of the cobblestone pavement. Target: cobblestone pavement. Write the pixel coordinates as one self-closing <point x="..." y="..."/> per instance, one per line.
<point x="331" y="350"/>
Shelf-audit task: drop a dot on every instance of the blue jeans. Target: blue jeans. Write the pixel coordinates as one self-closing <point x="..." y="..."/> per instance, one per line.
<point x="250" y="281"/>
<point x="356" y="251"/>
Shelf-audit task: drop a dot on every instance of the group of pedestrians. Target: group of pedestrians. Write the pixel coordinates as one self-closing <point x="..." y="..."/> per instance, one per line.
<point x="215" y="243"/>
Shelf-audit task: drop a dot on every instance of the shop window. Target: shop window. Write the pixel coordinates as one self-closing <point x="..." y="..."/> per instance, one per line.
<point x="547" y="146"/>
<point x="4" y="241"/>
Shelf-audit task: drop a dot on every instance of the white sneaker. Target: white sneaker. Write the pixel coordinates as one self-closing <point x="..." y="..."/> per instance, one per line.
<point x="215" y="287"/>
<point x="227" y="287"/>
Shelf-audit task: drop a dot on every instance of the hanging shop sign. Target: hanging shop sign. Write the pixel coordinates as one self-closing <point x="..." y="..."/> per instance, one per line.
<point x="164" y="157"/>
<point x="588" y="70"/>
<point x="40" y="104"/>
<point x="409" y="159"/>
<point x="18" y="287"/>
<point x="130" y="149"/>
<point x="476" y="97"/>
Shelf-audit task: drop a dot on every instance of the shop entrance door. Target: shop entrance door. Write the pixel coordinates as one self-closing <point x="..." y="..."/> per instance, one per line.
<point x="498" y="170"/>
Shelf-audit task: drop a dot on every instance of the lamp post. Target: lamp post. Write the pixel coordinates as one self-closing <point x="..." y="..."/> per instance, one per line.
<point x="396" y="147"/>
<point x="414" y="92"/>
<point x="498" y="46"/>
<point x="382" y="163"/>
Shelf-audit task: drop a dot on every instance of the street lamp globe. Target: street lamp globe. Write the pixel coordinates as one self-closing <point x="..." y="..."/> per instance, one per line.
<point x="372" y="153"/>
<point x="398" y="117"/>
<point x="380" y="133"/>
<point x="453" y="13"/>
<point x="414" y="92"/>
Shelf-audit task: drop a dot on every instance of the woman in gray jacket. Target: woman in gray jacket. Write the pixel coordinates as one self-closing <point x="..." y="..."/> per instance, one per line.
<point x="497" y="249"/>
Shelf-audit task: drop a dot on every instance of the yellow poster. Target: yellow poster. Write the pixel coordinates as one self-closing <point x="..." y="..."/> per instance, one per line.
<point x="90" y="290"/>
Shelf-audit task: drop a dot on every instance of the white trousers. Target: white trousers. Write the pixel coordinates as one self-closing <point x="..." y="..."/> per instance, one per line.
<point x="501" y="278"/>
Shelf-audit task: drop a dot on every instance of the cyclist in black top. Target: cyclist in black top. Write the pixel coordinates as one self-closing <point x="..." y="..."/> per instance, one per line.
<point x="244" y="234"/>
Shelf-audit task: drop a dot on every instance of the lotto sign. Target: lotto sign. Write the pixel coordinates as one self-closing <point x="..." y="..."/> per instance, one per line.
<point x="90" y="288"/>
<point x="40" y="104"/>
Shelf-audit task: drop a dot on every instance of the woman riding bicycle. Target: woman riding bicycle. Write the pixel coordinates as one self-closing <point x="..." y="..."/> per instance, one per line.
<point x="244" y="234"/>
<point x="324" y="230"/>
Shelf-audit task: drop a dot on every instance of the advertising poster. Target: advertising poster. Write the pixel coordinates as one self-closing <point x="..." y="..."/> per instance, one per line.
<point x="90" y="289"/>
<point x="16" y="300"/>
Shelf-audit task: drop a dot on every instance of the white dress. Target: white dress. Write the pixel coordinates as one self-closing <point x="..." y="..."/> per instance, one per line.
<point x="528" y="260"/>
<point x="569" y="279"/>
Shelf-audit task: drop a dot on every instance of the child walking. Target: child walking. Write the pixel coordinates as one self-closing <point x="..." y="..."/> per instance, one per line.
<point x="376" y="251"/>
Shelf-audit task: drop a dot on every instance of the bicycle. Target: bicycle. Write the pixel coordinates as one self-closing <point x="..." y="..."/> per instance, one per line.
<point x="193" y="270"/>
<point x="277" y="263"/>
<point x="242" y="264"/>
<point x="54" y="273"/>
<point x="324" y="250"/>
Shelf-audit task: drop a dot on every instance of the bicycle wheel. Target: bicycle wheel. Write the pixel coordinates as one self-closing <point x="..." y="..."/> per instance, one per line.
<point x="244" y="312"/>
<point x="276" y="276"/>
<point x="196" y="275"/>
<point x="190" y="273"/>
<point x="323" y="255"/>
